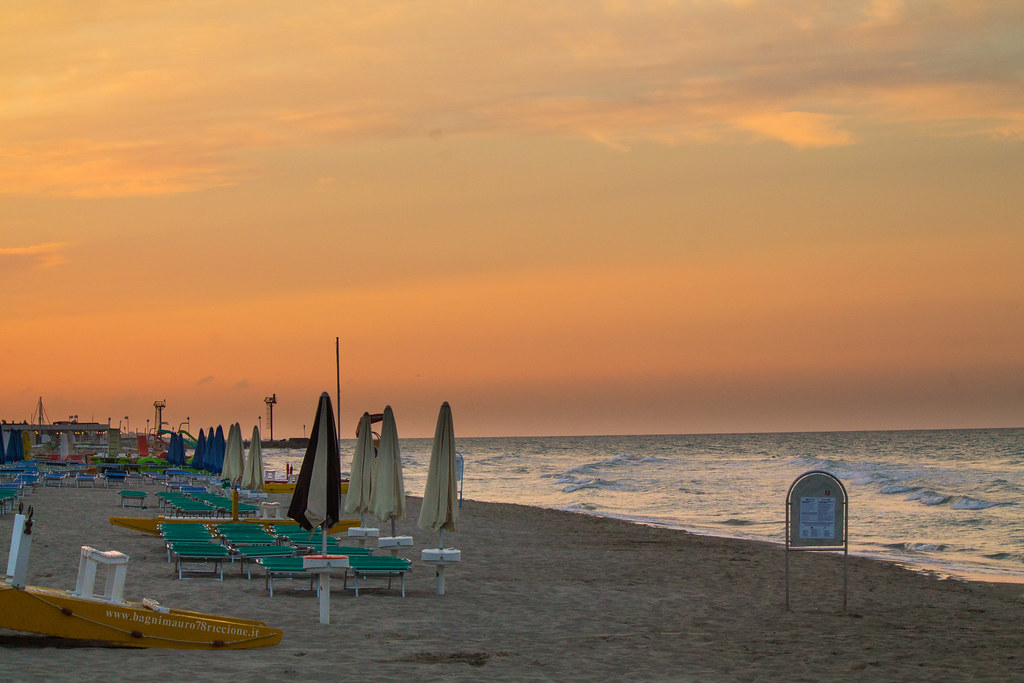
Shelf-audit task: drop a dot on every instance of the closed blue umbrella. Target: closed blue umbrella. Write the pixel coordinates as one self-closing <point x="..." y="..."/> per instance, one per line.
<point x="211" y="443"/>
<point x="15" y="451"/>
<point x="197" y="457"/>
<point x="220" y="447"/>
<point x="3" y="449"/>
<point x="177" y="451"/>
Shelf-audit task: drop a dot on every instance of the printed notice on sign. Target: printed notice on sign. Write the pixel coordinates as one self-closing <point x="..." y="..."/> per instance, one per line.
<point x="817" y="517"/>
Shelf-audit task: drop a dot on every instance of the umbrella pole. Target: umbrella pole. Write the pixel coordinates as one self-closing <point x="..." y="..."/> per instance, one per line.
<point x="440" y="540"/>
<point x="392" y="526"/>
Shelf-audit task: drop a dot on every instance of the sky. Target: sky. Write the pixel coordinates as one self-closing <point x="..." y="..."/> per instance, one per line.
<point x="562" y="217"/>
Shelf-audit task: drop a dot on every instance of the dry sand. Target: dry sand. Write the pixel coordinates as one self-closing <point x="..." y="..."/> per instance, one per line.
<point x="544" y="595"/>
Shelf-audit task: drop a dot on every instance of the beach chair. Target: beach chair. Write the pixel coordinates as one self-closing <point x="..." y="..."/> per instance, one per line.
<point x="249" y="554"/>
<point x="84" y="478"/>
<point x="188" y="555"/>
<point x="187" y="533"/>
<point x="54" y="479"/>
<point x="27" y="480"/>
<point x="114" y="476"/>
<point x="127" y="498"/>
<point x="245" y="534"/>
<point x="376" y="567"/>
<point x="157" y="478"/>
<point x="7" y="500"/>
<point x="284" y="568"/>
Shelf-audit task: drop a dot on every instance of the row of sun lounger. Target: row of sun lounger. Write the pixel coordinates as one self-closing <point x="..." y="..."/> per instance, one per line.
<point x="277" y="551"/>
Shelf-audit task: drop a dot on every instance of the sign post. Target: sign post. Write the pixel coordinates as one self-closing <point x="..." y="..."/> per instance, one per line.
<point x="817" y="518"/>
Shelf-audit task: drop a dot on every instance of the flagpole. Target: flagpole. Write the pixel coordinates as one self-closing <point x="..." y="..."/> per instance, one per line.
<point x="337" y="370"/>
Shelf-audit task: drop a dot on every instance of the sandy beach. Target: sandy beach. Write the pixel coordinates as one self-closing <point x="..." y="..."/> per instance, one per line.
<point x="544" y="595"/>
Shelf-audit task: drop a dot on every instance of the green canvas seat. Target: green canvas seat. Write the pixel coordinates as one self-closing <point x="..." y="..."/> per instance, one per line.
<point x="128" y="496"/>
<point x="249" y="554"/>
<point x="374" y="566"/>
<point x="195" y="553"/>
<point x="284" y="568"/>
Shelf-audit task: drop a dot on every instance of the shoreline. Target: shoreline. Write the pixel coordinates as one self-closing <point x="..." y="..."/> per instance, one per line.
<point x="545" y="594"/>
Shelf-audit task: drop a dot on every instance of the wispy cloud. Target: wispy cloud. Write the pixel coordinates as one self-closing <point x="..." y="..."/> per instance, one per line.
<point x="44" y="255"/>
<point x="112" y="107"/>
<point x="206" y="380"/>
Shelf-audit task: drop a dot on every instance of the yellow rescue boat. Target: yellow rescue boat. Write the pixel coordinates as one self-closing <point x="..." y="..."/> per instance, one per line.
<point x="58" y="613"/>
<point x="106" y="618"/>
<point x="151" y="525"/>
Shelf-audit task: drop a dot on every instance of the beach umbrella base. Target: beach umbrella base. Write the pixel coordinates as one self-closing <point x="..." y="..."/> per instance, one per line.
<point x="440" y="558"/>
<point x="394" y="543"/>
<point x="360" y="533"/>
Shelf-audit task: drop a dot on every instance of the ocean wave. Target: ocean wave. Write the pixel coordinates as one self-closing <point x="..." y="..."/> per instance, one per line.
<point x="617" y="461"/>
<point x="912" y="547"/>
<point x="926" y="497"/>
<point x="1004" y="556"/>
<point x="737" y="522"/>
<point x="600" y="484"/>
<point x="496" y="459"/>
<point x="929" y="497"/>
<point x="968" y="503"/>
<point x="894" y="489"/>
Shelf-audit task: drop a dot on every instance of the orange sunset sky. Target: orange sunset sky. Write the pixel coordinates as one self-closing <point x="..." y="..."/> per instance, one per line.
<point x="563" y="217"/>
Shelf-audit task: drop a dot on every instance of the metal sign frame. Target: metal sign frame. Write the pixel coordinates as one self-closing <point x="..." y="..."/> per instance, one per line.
<point x="824" y="491"/>
<point x="460" y="468"/>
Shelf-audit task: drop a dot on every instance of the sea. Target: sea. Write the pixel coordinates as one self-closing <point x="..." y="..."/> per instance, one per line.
<point x="947" y="502"/>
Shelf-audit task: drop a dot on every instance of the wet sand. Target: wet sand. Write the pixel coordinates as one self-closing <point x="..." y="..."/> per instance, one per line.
<point x="543" y="595"/>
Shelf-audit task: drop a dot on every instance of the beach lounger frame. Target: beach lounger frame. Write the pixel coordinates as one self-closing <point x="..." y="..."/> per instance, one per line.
<point x="291" y="571"/>
<point x="191" y="556"/>
<point x="373" y="567"/>
<point x="127" y="498"/>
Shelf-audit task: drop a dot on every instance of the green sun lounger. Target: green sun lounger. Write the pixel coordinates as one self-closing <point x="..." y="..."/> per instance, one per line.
<point x="128" y="496"/>
<point x="200" y="553"/>
<point x="372" y="566"/>
<point x="249" y="554"/>
<point x="284" y="568"/>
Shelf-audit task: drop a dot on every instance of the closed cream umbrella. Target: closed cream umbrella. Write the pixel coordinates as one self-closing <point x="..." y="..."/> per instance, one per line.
<point x="388" y="493"/>
<point x="360" y="485"/>
<point x="233" y="459"/>
<point x="252" y="472"/>
<point x="440" y="509"/>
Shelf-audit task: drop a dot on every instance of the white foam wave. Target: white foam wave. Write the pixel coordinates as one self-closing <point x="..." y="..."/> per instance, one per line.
<point x="929" y="498"/>
<point x="600" y="484"/>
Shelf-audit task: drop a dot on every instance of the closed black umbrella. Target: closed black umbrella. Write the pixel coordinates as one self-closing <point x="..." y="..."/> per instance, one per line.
<point x="318" y="488"/>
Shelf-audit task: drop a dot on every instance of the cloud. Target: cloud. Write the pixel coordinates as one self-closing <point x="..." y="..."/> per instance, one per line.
<point x="126" y="99"/>
<point x="44" y="255"/>
<point x="206" y="380"/>
<point x="242" y="384"/>
<point x="797" y="128"/>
